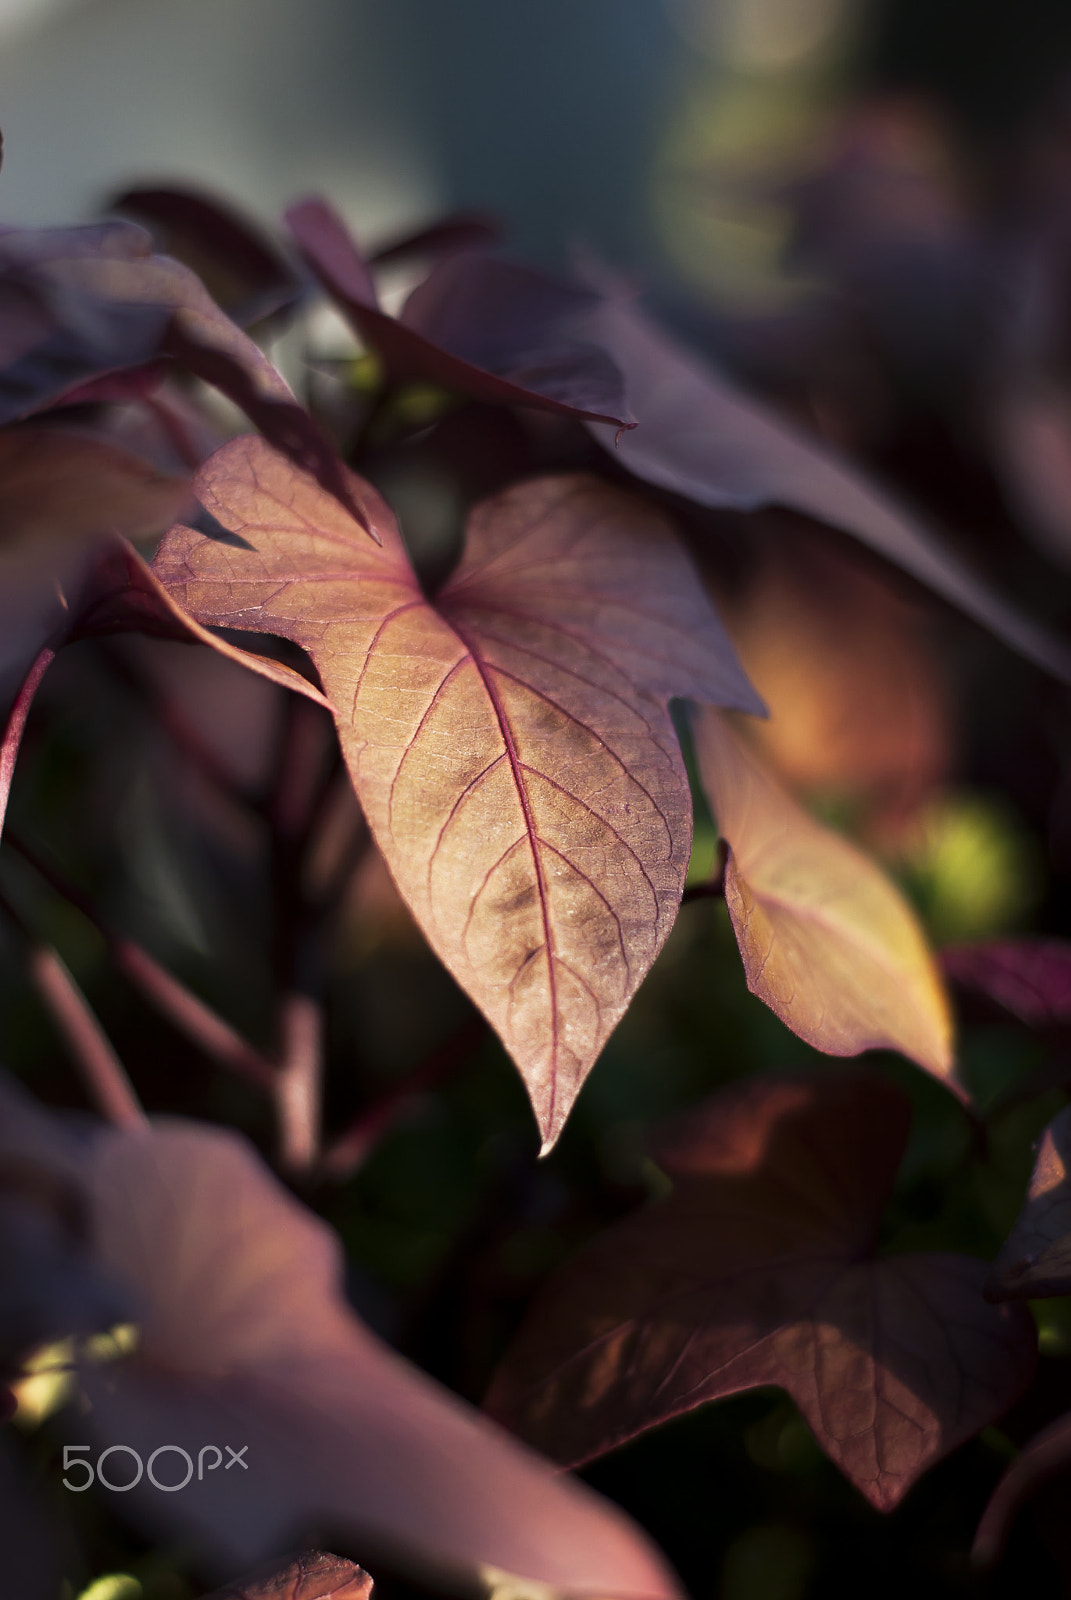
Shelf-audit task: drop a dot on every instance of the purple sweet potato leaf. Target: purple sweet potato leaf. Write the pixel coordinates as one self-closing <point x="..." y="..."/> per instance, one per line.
<point x="313" y="1575"/>
<point x="496" y="332"/>
<point x="1035" y="1259"/>
<point x="759" y="1269"/>
<point x="235" y="259"/>
<point x="67" y="573"/>
<point x="79" y="305"/>
<point x="510" y="743"/>
<point x="1045" y="1456"/>
<point x="461" y="230"/>
<point x="700" y="437"/>
<point x="246" y="1339"/>
<point x="1029" y="977"/>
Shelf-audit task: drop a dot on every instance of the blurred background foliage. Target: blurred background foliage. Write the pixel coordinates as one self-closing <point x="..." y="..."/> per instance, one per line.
<point x="686" y="140"/>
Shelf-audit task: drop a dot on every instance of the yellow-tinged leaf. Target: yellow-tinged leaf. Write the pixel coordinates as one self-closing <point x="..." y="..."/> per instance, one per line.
<point x="828" y="942"/>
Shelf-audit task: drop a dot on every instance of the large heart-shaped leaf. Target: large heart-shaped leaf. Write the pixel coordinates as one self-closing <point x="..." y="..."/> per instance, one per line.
<point x="760" y="1269"/>
<point x="511" y="743"/>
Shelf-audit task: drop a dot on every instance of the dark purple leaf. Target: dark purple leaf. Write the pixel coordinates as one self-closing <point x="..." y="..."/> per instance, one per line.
<point x="760" y="1269"/>
<point x="235" y="260"/>
<point x="1029" y="977"/>
<point x="77" y="305"/>
<point x="700" y="437"/>
<point x="1047" y="1455"/>
<point x="461" y="230"/>
<point x="1035" y="1259"/>
<point x="496" y="332"/>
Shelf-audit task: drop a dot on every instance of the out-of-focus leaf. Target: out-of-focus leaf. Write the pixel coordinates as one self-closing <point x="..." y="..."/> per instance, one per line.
<point x="759" y="1269"/>
<point x="78" y="304"/>
<point x="857" y="702"/>
<point x="93" y="588"/>
<point x="313" y="1575"/>
<point x="1045" y="1456"/>
<point x="246" y="1340"/>
<point x="461" y="230"/>
<point x="235" y="260"/>
<point x="1032" y="435"/>
<point x="30" y="1537"/>
<point x="1029" y="977"/>
<point x="1035" y="1259"/>
<point x="828" y="942"/>
<point x="49" y="1288"/>
<point x="489" y="329"/>
<point x="700" y="437"/>
<point x="511" y="744"/>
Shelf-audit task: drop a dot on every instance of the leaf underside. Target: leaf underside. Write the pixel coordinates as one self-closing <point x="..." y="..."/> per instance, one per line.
<point x="510" y="744"/>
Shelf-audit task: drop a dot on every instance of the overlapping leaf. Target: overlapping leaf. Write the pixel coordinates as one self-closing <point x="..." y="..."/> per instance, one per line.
<point x="1047" y="1455"/>
<point x="1029" y="977"/>
<point x="759" y="1269"/>
<point x="69" y="502"/>
<point x="313" y="1575"/>
<point x="511" y="744"/>
<point x="1035" y="1259"/>
<point x="700" y="437"/>
<point x="828" y="942"/>
<point x="78" y="304"/>
<point x="489" y="329"/>
<point x="246" y="1340"/>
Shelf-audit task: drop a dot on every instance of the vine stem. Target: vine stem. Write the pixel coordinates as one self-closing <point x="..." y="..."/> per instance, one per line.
<point x="104" y="1074"/>
<point x="185" y="1010"/>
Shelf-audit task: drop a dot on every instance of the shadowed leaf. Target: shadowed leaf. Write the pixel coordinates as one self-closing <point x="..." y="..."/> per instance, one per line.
<point x="700" y="437"/>
<point x="461" y="230"/>
<point x="497" y="332"/>
<point x="1047" y="1455"/>
<point x="1035" y="1259"/>
<point x="1029" y="977"/>
<point x="79" y="304"/>
<point x="246" y="1340"/>
<point x="759" y="1269"/>
<point x="511" y="744"/>
<point x="828" y="942"/>
<point x="238" y="264"/>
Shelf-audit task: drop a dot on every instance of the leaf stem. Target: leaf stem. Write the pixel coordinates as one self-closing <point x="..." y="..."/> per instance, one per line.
<point x="350" y="1151"/>
<point x="299" y="1082"/>
<point x="185" y="1010"/>
<point x="16" y="724"/>
<point x="92" y="1050"/>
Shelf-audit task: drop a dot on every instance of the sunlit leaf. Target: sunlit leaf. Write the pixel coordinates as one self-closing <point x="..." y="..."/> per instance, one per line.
<point x="759" y="1269"/>
<point x="247" y="1340"/>
<point x="511" y="743"/>
<point x="314" y="1575"/>
<point x="828" y="942"/>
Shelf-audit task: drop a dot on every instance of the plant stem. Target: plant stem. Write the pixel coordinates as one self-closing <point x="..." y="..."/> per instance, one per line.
<point x="184" y="1010"/>
<point x="349" y="1152"/>
<point x="103" y="1072"/>
<point x="16" y="724"/>
<point x="298" y="1082"/>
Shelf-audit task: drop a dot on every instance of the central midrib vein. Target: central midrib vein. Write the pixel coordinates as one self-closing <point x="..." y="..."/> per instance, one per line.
<point x="529" y="823"/>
